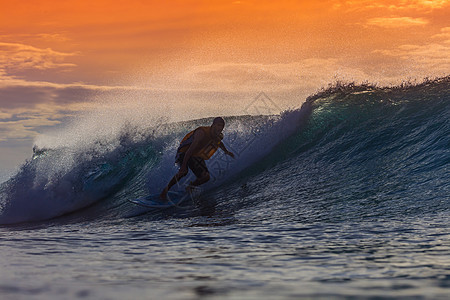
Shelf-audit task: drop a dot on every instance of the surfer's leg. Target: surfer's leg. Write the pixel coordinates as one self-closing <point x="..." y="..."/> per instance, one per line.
<point x="178" y="160"/>
<point x="172" y="182"/>
<point x="198" y="167"/>
<point x="201" y="180"/>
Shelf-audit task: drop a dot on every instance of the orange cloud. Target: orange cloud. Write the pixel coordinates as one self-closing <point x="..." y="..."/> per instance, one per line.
<point x="431" y="4"/>
<point x="19" y="56"/>
<point x="445" y="34"/>
<point x="429" y="59"/>
<point x="391" y="5"/>
<point x="396" y="22"/>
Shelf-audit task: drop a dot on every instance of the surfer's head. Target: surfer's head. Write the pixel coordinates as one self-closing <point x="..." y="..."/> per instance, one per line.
<point x="219" y="120"/>
<point x="217" y="125"/>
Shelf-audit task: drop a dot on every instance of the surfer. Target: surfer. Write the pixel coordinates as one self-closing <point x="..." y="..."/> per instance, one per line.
<point x="196" y="147"/>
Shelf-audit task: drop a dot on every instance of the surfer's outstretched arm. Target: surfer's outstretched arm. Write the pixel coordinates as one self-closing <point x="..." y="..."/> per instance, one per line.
<point x="224" y="149"/>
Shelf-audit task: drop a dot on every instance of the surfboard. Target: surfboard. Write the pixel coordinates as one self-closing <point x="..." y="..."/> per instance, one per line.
<point x="153" y="201"/>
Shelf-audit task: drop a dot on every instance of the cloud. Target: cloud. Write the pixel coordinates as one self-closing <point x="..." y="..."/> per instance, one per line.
<point x="311" y="73"/>
<point x="411" y="5"/>
<point x="426" y="4"/>
<point x="22" y="123"/>
<point x="5" y="115"/>
<point x="27" y="107"/>
<point x="16" y="56"/>
<point x="18" y="93"/>
<point x="20" y="96"/>
<point x="232" y="76"/>
<point x="396" y="22"/>
<point x="47" y="37"/>
<point x="58" y="37"/>
<point x="430" y="59"/>
<point x="23" y="129"/>
<point x="445" y="34"/>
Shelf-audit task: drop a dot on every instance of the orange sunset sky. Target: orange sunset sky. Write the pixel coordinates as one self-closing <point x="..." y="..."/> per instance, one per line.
<point x="187" y="59"/>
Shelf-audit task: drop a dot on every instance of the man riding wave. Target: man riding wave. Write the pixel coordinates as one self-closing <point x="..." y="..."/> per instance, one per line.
<point x="196" y="147"/>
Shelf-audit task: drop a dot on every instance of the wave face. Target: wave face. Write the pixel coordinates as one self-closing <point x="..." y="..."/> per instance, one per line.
<point x="366" y="152"/>
<point x="350" y="152"/>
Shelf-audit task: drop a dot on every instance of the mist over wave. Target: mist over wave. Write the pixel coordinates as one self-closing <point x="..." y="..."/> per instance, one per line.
<point x="374" y="144"/>
<point x="132" y="161"/>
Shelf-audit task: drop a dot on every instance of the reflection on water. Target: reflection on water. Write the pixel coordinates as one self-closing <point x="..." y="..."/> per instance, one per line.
<point x="224" y="257"/>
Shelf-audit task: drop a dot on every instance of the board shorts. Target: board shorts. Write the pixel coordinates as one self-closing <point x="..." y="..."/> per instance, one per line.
<point x="196" y="164"/>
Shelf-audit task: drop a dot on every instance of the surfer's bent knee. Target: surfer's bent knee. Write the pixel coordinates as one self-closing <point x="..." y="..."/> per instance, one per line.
<point x="206" y="176"/>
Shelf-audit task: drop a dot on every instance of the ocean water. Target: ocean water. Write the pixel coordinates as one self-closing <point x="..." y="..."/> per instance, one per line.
<point x="345" y="197"/>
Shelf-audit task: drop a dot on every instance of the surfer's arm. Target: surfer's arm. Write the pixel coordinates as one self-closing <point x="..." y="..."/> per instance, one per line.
<point x="224" y="149"/>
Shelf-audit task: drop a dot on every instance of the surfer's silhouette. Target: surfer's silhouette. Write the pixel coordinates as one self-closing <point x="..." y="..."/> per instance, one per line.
<point x="196" y="147"/>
